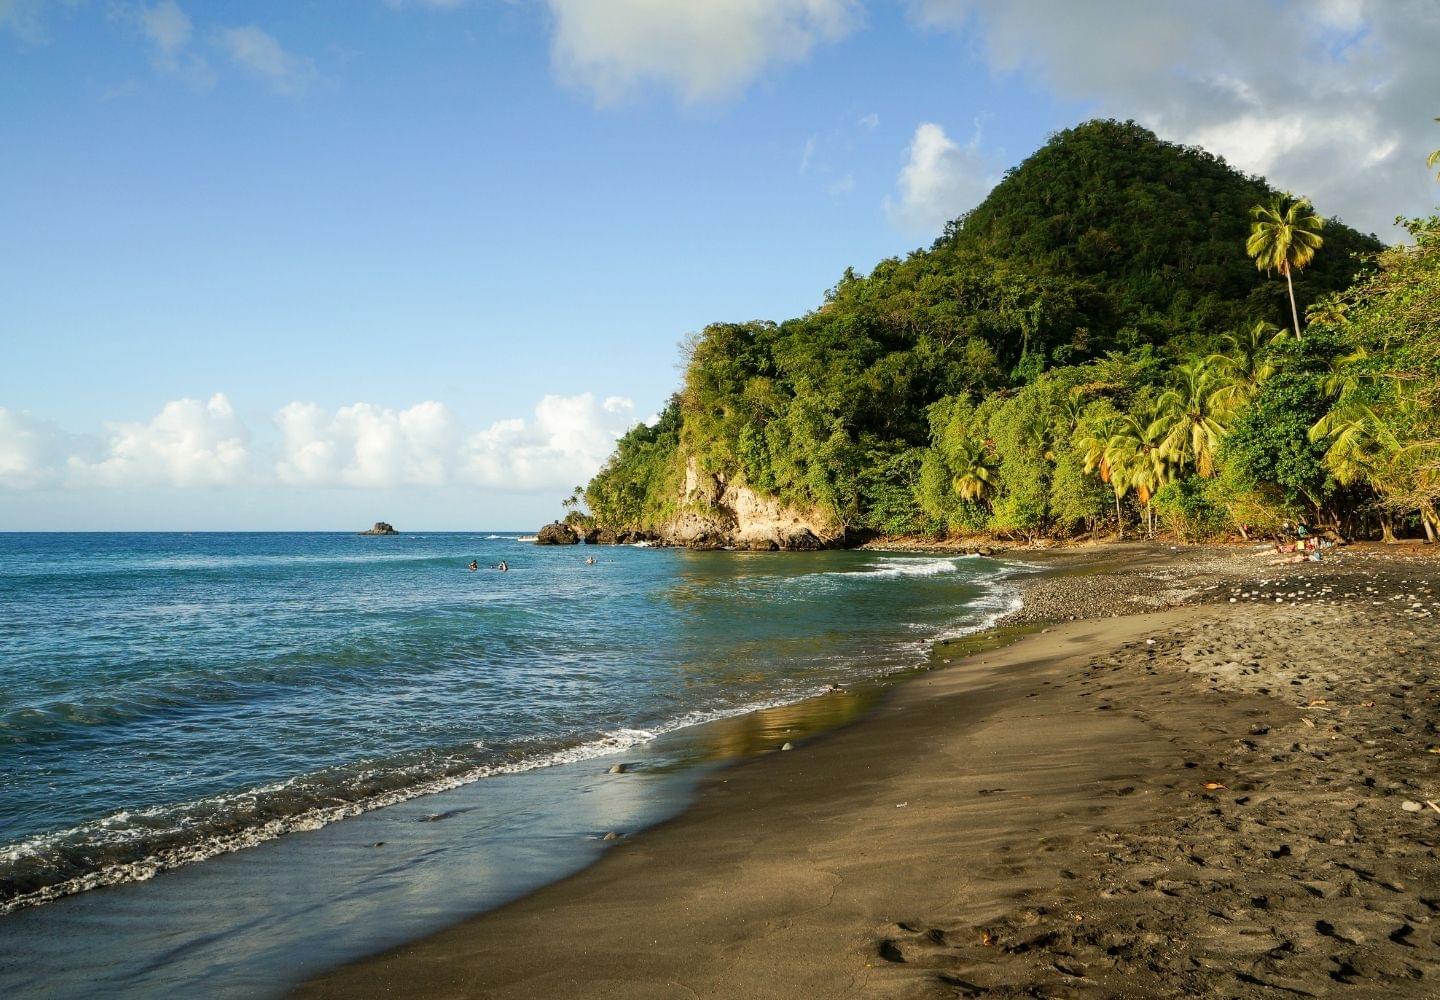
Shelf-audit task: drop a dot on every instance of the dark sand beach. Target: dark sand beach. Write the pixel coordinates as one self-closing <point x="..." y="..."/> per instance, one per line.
<point x="1193" y="774"/>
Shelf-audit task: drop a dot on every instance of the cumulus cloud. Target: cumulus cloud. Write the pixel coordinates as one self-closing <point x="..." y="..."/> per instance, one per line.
<point x="366" y="445"/>
<point x="30" y="450"/>
<point x="1332" y="98"/>
<point x="567" y="441"/>
<point x="188" y="443"/>
<point x="260" y="55"/>
<point x="700" y="51"/>
<point x="940" y="180"/>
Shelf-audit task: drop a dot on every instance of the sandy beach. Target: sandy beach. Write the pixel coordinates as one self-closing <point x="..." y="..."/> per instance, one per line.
<point x="1193" y="774"/>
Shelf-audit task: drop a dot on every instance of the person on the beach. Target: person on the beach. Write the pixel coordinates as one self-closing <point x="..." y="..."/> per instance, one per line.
<point x="474" y="565"/>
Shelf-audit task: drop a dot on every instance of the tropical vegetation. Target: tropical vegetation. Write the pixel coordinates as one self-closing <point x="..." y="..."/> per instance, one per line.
<point x="1096" y="348"/>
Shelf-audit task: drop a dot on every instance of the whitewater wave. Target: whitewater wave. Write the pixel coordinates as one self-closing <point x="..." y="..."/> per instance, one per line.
<point x="142" y="843"/>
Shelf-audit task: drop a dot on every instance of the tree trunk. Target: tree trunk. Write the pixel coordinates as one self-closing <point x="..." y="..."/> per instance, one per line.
<point x="1387" y="533"/>
<point x="1119" y="521"/>
<point x="1294" y="313"/>
<point x="1245" y="535"/>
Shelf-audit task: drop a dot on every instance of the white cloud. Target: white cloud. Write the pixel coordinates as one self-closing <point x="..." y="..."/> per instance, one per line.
<point x="703" y="51"/>
<point x="263" y="57"/>
<point x="940" y="181"/>
<point x="1333" y="99"/>
<point x="167" y="26"/>
<point x="24" y="18"/>
<point x="169" y="30"/>
<point x="806" y="155"/>
<point x="364" y="446"/>
<point x="188" y="443"/>
<point x="870" y="121"/>
<point x="566" y="443"/>
<point x="30" y="450"/>
<point x="841" y="185"/>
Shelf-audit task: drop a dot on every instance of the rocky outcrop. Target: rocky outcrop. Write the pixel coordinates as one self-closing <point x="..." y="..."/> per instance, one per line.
<point x="716" y="513"/>
<point x="381" y="528"/>
<point x="556" y="533"/>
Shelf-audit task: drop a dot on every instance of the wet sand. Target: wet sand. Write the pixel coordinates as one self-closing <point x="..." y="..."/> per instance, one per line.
<point x="1224" y="794"/>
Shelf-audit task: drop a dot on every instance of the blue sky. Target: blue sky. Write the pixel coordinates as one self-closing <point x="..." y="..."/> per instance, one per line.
<point x="306" y="265"/>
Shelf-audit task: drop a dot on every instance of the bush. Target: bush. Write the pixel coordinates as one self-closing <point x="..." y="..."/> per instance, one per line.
<point x="1185" y="506"/>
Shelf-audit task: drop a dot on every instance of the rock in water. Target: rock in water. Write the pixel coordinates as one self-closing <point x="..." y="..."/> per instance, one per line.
<point x="381" y="528"/>
<point x="788" y="746"/>
<point x="619" y="769"/>
<point x="556" y="533"/>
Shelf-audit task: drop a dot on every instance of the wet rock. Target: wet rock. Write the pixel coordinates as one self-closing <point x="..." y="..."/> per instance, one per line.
<point x="556" y="533"/>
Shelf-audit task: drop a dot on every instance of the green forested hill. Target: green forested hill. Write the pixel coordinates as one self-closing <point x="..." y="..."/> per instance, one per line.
<point x="1101" y="290"/>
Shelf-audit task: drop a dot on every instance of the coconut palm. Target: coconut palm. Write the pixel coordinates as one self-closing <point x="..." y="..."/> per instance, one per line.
<point x="975" y="474"/>
<point x="1284" y="236"/>
<point x="1243" y="365"/>
<point x="1095" y="435"/>
<point x="1137" y="454"/>
<point x="1195" y="411"/>
<point x="1433" y="160"/>
<point x="1362" y="448"/>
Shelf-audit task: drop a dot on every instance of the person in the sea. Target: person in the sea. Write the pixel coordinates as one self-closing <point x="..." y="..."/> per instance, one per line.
<point x="474" y="565"/>
<point x="504" y="567"/>
<point x="589" y="560"/>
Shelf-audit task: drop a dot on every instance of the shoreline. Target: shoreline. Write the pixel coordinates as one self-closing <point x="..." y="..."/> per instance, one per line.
<point x="965" y="837"/>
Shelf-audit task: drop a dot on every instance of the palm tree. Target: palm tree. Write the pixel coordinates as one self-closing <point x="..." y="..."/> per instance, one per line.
<point x="1196" y="412"/>
<point x="1362" y="448"/>
<point x="1284" y="237"/>
<point x="1433" y="160"/>
<point x="1095" y="435"/>
<point x="975" y="478"/>
<point x="1137" y="454"/>
<point x="1243" y="366"/>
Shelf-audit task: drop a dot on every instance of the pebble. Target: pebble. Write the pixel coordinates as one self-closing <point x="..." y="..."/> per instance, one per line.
<point x="788" y="746"/>
<point x="612" y="835"/>
<point x="1411" y="807"/>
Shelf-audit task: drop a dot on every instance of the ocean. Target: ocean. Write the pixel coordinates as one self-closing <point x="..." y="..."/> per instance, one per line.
<point x="168" y="700"/>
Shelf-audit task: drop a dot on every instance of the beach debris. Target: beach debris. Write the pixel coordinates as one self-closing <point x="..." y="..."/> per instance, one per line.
<point x="902" y="805"/>
<point x="1211" y="786"/>
<point x="1411" y="806"/>
<point x="618" y="769"/>
<point x="987" y="939"/>
<point x="788" y="746"/>
<point x="378" y="843"/>
<point x="1432" y="805"/>
<point x="1308" y="723"/>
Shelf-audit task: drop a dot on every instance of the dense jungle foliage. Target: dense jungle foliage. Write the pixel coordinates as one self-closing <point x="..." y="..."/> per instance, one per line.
<point x="1091" y="348"/>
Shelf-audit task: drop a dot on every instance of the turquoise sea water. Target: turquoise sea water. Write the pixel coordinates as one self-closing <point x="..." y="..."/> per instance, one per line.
<point x="167" y="698"/>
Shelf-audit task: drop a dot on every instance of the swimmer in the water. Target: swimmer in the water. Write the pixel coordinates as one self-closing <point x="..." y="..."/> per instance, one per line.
<point x="589" y="560"/>
<point x="503" y="567"/>
<point x="474" y="565"/>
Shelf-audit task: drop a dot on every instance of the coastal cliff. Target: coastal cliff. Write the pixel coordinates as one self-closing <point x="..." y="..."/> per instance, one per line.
<point x="719" y="513"/>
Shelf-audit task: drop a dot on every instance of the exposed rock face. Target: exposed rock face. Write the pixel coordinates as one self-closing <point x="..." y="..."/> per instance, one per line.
<point x="556" y="533"/>
<point x="381" y="528"/>
<point x="718" y="514"/>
